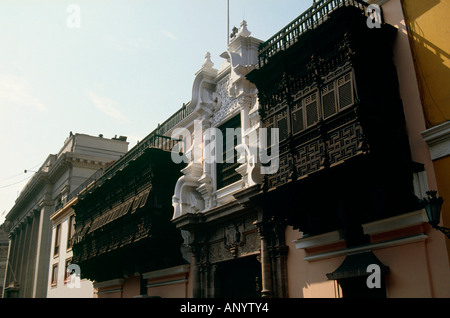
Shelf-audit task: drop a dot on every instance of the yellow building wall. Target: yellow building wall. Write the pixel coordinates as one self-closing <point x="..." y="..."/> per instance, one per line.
<point x="428" y="25"/>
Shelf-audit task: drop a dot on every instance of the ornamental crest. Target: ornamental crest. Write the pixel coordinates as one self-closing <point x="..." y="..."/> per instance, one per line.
<point x="226" y="102"/>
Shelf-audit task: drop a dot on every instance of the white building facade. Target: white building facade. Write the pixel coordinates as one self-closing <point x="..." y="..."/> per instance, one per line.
<point x="29" y="222"/>
<point x="220" y="97"/>
<point x="223" y="233"/>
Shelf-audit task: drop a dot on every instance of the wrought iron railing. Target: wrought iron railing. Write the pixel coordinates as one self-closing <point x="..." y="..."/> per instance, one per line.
<point x="318" y="13"/>
<point x="96" y="175"/>
<point x="155" y="139"/>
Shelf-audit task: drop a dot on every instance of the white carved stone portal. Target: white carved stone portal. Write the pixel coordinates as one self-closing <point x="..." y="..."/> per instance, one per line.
<point x="217" y="96"/>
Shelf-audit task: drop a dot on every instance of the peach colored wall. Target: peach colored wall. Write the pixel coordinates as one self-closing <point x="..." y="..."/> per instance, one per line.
<point x="168" y="291"/>
<point x="438" y="263"/>
<point x="409" y="89"/>
<point x="417" y="270"/>
<point x="294" y="261"/>
<point x="408" y="271"/>
<point x="110" y="295"/>
<point x="117" y="294"/>
<point x="172" y="283"/>
<point x="131" y="287"/>
<point x="175" y="290"/>
<point x="308" y="279"/>
<point x="415" y="120"/>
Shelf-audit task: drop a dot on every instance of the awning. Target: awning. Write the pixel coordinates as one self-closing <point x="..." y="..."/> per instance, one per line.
<point x="136" y="202"/>
<point x="356" y="265"/>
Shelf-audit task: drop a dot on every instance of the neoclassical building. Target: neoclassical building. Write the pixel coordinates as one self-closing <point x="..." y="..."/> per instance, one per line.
<point x="31" y="251"/>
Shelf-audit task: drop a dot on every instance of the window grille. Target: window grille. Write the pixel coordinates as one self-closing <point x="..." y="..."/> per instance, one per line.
<point x="312" y="114"/>
<point x="226" y="172"/>
<point x="328" y="101"/>
<point x="345" y="91"/>
<point x="282" y="125"/>
<point x="297" y="118"/>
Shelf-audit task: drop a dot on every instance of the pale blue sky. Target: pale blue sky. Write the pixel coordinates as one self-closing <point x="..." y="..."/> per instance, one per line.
<point x="128" y="67"/>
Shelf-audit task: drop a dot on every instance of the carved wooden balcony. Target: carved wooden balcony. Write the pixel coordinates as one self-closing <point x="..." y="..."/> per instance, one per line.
<point x="332" y="93"/>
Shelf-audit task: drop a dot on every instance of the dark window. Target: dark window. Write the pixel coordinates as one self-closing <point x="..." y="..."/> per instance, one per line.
<point x="312" y="114"/>
<point x="345" y="91"/>
<point x="226" y="171"/>
<point x="328" y="101"/>
<point x="297" y="118"/>
<point x="238" y="278"/>
<point x="57" y="240"/>
<point x="71" y="230"/>
<point x="334" y="96"/>
<point x="66" y="273"/>
<point x="305" y="113"/>
<point x="54" y="275"/>
<point x="282" y="125"/>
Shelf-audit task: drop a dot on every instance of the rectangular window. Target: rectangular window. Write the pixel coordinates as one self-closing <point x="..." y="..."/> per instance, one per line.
<point x="328" y="101"/>
<point x="282" y="125"/>
<point x="345" y="89"/>
<point x="312" y="114"/>
<point x="226" y="171"/>
<point x="305" y="113"/>
<point x="71" y="230"/>
<point x="57" y="240"/>
<point x="54" y="275"/>
<point x="334" y="96"/>
<point x="297" y="118"/>
<point x="67" y="274"/>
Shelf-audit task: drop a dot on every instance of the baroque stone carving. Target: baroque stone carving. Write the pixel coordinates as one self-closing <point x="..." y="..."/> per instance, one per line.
<point x="232" y="238"/>
<point x="226" y="104"/>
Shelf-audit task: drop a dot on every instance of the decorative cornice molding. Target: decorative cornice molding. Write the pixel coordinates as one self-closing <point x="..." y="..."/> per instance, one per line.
<point x="109" y="283"/>
<point x="368" y="247"/>
<point x="398" y="222"/>
<point x="176" y="270"/>
<point x="438" y="140"/>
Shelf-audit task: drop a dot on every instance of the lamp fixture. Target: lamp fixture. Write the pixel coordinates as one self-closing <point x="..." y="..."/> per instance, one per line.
<point x="433" y="205"/>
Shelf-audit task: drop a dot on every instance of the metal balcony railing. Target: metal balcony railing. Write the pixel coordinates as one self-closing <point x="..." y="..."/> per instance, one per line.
<point x="155" y="139"/>
<point x="318" y="13"/>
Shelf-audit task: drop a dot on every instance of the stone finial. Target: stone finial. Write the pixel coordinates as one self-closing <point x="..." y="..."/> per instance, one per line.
<point x="208" y="63"/>
<point x="243" y="31"/>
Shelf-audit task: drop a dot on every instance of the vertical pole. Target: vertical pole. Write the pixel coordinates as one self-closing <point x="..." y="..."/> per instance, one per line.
<point x="228" y="22"/>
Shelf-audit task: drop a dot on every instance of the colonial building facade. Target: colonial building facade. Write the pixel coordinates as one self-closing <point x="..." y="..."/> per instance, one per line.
<point x="28" y="222"/>
<point x="297" y="169"/>
<point x="124" y="241"/>
<point x="426" y="32"/>
<point x="339" y="86"/>
<point x="210" y="198"/>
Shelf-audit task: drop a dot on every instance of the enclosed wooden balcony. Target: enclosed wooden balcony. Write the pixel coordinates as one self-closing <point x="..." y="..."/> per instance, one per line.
<point x="328" y="83"/>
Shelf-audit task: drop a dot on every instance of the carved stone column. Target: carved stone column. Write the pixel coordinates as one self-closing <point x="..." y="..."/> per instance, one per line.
<point x="279" y="251"/>
<point x="205" y="181"/>
<point x="196" y="258"/>
<point x="266" y="268"/>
